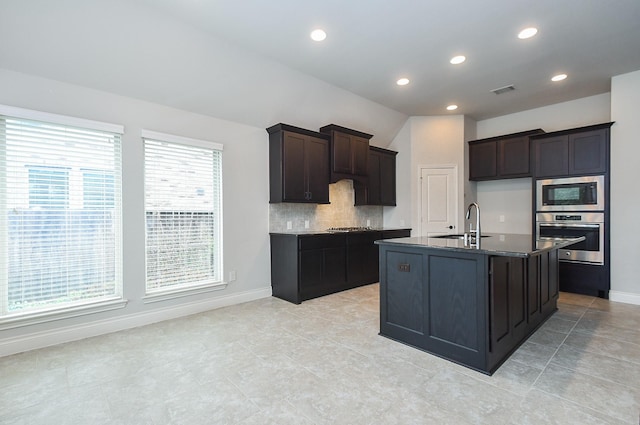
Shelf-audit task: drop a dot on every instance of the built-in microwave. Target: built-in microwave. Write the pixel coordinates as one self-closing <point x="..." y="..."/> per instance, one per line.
<point x="571" y="194"/>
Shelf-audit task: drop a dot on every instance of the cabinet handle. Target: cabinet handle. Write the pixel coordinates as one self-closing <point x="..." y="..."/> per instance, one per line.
<point x="310" y="196"/>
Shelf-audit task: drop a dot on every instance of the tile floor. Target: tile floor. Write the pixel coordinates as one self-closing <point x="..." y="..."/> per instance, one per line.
<point x="322" y="362"/>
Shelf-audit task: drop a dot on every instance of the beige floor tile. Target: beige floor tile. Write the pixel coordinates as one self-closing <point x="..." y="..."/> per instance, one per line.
<point x="606" y="397"/>
<point x="605" y="346"/>
<point x="541" y="408"/>
<point x="323" y="362"/>
<point x="604" y="367"/>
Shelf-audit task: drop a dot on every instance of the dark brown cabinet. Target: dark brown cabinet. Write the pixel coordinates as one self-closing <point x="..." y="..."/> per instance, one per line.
<point x="323" y="265"/>
<point x="507" y="304"/>
<point x="474" y="309"/>
<point x="349" y="152"/>
<point x="380" y="188"/>
<point x="305" y="266"/>
<point x="501" y="157"/>
<point x="298" y="165"/>
<point x="362" y="256"/>
<point x="575" y="152"/>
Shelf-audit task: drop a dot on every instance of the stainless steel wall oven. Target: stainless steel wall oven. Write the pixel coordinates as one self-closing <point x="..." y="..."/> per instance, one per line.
<point x="591" y="225"/>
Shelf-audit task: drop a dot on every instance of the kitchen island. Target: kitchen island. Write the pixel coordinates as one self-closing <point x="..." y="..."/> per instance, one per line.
<point x="473" y="305"/>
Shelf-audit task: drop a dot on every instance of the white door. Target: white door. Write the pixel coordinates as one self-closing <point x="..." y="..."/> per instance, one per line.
<point x="438" y="200"/>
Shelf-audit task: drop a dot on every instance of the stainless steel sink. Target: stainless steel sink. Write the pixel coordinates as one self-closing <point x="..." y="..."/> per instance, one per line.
<point x="458" y="236"/>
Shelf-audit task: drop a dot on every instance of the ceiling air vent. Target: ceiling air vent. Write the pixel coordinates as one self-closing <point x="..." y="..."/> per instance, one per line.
<point x="504" y="89"/>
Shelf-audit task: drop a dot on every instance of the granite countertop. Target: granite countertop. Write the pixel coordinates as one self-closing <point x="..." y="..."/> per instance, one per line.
<point x="331" y="232"/>
<point x="508" y="245"/>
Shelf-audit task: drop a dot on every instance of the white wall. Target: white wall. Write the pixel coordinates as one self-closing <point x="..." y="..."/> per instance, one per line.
<point x="424" y="141"/>
<point x="625" y="195"/>
<point x="512" y="198"/>
<point x="575" y="113"/>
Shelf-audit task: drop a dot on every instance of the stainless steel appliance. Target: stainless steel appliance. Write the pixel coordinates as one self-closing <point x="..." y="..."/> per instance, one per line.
<point x="571" y="194"/>
<point x="561" y="225"/>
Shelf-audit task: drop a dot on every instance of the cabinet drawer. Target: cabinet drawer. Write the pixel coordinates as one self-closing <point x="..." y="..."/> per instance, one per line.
<point x="365" y="238"/>
<point x="400" y="233"/>
<point x="322" y="241"/>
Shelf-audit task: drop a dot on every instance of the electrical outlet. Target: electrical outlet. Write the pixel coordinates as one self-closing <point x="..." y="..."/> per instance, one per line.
<point x="368" y="223"/>
<point x="501" y="219"/>
<point x="306" y="224"/>
<point x="289" y="225"/>
<point x="404" y="267"/>
<point x="232" y="275"/>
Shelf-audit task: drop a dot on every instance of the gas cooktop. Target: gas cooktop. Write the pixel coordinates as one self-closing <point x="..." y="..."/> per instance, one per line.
<point x="348" y="229"/>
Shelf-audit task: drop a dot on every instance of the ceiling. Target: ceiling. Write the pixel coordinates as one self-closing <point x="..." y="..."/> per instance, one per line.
<point x="370" y="44"/>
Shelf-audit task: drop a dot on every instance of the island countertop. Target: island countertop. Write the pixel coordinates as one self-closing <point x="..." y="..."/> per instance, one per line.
<point x="507" y="244"/>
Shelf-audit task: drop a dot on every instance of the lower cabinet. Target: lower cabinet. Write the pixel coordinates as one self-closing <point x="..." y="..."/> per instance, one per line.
<point x="312" y="265"/>
<point x="322" y="265"/>
<point x="362" y="255"/>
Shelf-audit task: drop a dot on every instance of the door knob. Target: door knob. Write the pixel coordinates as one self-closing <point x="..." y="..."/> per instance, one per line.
<point x="450" y="227"/>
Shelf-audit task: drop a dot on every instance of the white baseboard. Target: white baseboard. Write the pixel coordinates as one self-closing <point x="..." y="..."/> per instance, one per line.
<point x="624" y="297"/>
<point x="48" y="338"/>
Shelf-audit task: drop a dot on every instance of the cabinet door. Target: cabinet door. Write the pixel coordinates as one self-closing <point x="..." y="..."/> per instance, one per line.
<point x="293" y="164"/>
<point x="508" y="304"/>
<point x="483" y="159"/>
<point x="388" y="180"/>
<point x="513" y="157"/>
<point x="341" y="161"/>
<point x="311" y="273"/>
<point x="374" y="185"/>
<point x="335" y="267"/>
<point x="551" y="156"/>
<point x="360" y="155"/>
<point x="588" y="152"/>
<point x="317" y="170"/>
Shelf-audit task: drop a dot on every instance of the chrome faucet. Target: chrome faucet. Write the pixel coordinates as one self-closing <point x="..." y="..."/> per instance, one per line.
<point x="474" y="232"/>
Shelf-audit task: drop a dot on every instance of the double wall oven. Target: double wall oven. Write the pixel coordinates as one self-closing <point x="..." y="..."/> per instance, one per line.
<point x="572" y="207"/>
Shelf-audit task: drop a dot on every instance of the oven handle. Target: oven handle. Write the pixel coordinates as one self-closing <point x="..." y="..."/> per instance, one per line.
<point x="564" y="226"/>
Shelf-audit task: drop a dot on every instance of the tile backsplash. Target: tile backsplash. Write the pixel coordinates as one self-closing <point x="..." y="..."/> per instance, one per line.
<point x="339" y="213"/>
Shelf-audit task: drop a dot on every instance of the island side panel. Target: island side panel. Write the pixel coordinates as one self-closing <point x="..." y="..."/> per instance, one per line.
<point x="435" y="301"/>
<point x="456" y="314"/>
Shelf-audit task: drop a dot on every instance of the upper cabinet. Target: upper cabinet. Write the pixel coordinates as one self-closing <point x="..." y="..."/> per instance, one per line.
<point x="381" y="186"/>
<point x="349" y="152"/>
<point x="501" y="157"/>
<point x="575" y="152"/>
<point x="298" y="165"/>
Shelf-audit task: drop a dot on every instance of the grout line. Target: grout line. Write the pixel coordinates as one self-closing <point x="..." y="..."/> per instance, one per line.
<point x="559" y="346"/>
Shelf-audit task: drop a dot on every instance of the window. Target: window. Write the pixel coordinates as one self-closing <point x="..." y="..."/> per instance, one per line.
<point x="48" y="187"/>
<point x="183" y="206"/>
<point x="60" y="243"/>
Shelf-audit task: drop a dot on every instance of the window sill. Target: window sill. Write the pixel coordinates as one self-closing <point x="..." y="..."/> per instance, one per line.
<point x="34" y="318"/>
<point x="183" y="292"/>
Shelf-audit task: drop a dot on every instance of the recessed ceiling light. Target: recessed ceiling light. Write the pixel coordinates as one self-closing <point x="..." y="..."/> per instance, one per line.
<point x="402" y="81"/>
<point x="457" y="60"/>
<point x="559" y="77"/>
<point x="527" y="33"/>
<point x="318" y="35"/>
<point x="452" y="107"/>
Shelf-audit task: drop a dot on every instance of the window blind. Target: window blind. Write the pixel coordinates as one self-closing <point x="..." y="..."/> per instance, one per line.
<point x="183" y="206"/>
<point x="60" y="215"/>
